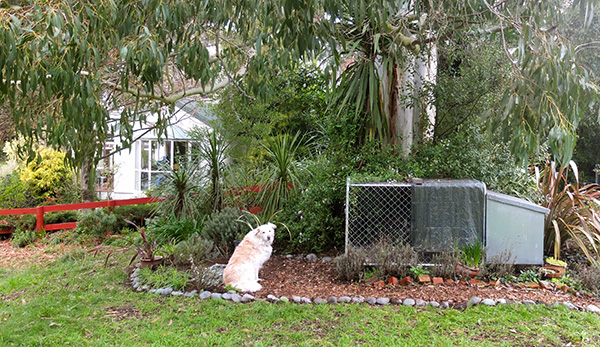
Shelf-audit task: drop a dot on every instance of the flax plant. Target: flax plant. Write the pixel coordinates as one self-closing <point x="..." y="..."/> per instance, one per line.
<point x="573" y="211"/>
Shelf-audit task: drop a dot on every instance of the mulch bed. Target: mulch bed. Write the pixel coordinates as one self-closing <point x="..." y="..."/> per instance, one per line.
<point x="283" y="276"/>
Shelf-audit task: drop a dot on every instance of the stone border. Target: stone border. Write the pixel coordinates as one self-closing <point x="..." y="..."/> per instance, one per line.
<point x="233" y="296"/>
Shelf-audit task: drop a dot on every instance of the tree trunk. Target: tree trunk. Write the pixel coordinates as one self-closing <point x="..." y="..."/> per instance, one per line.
<point x="405" y="101"/>
<point x="86" y="179"/>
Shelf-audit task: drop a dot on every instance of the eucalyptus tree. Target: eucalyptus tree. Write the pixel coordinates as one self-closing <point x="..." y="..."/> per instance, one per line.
<point x="548" y="93"/>
<point x="76" y="73"/>
<point x="65" y="64"/>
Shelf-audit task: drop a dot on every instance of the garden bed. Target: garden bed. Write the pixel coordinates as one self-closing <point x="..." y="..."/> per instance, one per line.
<point x="289" y="276"/>
<point x="283" y="276"/>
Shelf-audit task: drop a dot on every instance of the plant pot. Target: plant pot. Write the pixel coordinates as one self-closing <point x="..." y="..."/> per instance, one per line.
<point x="151" y="263"/>
<point x="550" y="272"/>
<point x="463" y="269"/>
<point x="561" y="270"/>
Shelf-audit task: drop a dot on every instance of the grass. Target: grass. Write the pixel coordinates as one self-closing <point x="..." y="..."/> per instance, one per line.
<point x="78" y="301"/>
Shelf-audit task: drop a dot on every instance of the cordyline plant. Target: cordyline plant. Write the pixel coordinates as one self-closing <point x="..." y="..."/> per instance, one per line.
<point x="146" y="249"/>
<point x="573" y="211"/>
<point x="283" y="176"/>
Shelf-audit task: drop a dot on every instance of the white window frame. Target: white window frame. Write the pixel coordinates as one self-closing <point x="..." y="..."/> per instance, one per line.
<point x="150" y="168"/>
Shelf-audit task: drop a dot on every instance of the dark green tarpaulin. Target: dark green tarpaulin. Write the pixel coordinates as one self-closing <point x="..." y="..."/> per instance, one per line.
<point x="447" y="214"/>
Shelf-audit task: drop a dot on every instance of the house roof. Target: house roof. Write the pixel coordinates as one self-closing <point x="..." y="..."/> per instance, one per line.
<point x="188" y="114"/>
<point x="199" y="110"/>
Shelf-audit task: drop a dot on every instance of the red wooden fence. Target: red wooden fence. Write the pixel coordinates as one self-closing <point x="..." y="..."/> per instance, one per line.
<point x="41" y="210"/>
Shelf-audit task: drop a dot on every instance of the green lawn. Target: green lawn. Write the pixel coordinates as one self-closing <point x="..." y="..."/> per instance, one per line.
<point x="77" y="301"/>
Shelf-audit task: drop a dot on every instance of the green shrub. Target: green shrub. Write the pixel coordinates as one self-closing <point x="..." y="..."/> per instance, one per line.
<point x="24" y="222"/>
<point x="315" y="217"/>
<point x="172" y="229"/>
<point x="223" y="228"/>
<point x="22" y="238"/>
<point x="135" y="213"/>
<point x="469" y="153"/>
<point x="529" y="275"/>
<point x="14" y="193"/>
<point x="195" y="247"/>
<point x="97" y="223"/>
<point x="164" y="276"/>
<point x="61" y="217"/>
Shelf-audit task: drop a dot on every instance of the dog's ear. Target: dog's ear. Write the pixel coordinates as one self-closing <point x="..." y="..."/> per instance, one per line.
<point x="257" y="231"/>
<point x="273" y="226"/>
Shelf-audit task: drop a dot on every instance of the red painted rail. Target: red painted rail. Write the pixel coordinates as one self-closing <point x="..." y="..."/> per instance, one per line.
<point x="41" y="210"/>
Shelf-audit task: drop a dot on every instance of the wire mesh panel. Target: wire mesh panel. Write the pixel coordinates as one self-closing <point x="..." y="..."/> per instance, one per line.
<point x="377" y="213"/>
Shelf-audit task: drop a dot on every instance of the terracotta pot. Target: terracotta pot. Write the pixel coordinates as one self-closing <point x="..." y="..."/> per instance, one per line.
<point x="550" y="272"/>
<point x="151" y="263"/>
<point x="561" y="270"/>
<point x="463" y="269"/>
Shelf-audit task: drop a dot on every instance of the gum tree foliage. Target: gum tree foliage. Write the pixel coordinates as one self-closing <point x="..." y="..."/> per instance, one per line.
<point x="64" y="64"/>
<point x="587" y="151"/>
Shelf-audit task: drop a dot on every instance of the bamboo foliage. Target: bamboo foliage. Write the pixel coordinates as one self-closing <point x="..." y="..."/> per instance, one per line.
<point x="573" y="211"/>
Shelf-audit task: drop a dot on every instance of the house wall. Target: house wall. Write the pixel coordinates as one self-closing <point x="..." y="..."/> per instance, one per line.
<point x="126" y="163"/>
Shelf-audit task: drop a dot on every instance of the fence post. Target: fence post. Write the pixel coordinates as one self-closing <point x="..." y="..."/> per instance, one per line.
<point x="111" y="205"/>
<point x="39" y="212"/>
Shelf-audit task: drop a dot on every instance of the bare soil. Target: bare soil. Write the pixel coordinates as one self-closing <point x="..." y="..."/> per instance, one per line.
<point x="32" y="254"/>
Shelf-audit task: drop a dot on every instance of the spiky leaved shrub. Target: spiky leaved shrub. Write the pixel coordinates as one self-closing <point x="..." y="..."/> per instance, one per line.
<point x="169" y="229"/>
<point x="284" y="174"/>
<point x="573" y="211"/>
<point x="223" y="228"/>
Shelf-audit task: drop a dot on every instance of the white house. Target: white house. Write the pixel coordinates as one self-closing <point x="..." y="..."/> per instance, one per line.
<point x="130" y="172"/>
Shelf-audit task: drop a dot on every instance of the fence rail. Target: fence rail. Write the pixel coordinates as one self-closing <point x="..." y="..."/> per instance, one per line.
<point x="41" y="210"/>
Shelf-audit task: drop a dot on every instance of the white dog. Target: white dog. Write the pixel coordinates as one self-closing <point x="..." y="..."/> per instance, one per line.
<point x="247" y="259"/>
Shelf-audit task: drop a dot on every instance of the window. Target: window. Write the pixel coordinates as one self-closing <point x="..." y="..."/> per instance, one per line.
<point x="105" y="170"/>
<point x="154" y="160"/>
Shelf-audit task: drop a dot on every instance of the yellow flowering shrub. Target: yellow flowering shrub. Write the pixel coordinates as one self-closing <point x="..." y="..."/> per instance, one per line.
<point x="46" y="173"/>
